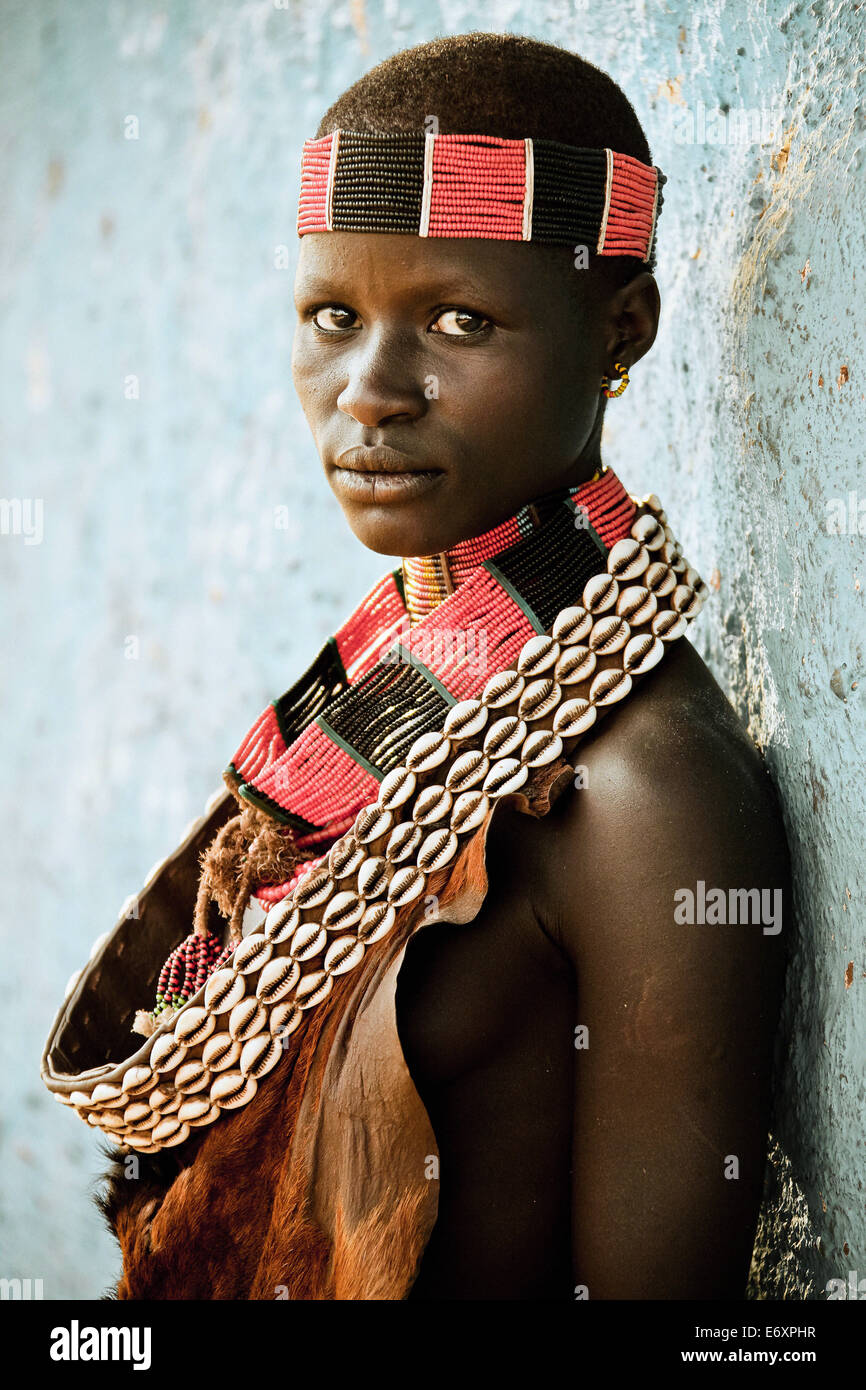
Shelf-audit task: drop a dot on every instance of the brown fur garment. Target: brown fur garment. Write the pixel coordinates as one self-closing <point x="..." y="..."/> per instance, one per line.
<point x="226" y="1215"/>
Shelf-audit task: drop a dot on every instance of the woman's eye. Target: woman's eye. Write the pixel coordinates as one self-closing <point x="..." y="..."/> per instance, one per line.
<point x="455" y="323"/>
<point x="461" y="319"/>
<point x="339" y="318"/>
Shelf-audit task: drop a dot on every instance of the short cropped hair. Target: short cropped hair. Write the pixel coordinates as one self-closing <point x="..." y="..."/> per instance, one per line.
<point x="498" y="84"/>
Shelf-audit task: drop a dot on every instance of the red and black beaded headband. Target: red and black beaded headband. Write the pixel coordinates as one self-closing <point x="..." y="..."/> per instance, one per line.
<point x="480" y="186"/>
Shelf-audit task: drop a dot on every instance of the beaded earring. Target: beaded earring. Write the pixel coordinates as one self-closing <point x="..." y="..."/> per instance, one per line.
<point x="620" y="371"/>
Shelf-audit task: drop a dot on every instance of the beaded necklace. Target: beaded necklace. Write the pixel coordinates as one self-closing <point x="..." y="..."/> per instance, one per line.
<point x="421" y="744"/>
<point x="336" y="781"/>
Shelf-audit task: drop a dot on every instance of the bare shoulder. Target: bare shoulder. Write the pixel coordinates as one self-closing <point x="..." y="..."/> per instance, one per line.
<point x="671" y="793"/>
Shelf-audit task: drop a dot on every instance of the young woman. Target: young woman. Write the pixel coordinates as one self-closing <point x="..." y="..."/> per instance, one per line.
<point x="492" y="1015"/>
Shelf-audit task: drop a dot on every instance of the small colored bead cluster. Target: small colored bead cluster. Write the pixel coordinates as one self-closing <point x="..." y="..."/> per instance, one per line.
<point x="187" y="969"/>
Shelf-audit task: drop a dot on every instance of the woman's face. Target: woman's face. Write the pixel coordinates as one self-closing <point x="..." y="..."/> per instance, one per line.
<point x="476" y="362"/>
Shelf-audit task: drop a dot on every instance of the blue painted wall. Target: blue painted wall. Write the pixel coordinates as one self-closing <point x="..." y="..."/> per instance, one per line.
<point x="151" y="605"/>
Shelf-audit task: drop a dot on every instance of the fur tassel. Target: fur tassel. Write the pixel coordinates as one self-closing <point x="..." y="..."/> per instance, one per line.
<point x="143" y="1023"/>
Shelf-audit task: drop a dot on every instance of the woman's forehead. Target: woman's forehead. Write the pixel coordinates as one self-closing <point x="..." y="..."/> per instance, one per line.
<point x="400" y="261"/>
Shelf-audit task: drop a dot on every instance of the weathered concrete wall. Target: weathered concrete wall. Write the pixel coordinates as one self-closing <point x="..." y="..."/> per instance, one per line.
<point x="147" y="402"/>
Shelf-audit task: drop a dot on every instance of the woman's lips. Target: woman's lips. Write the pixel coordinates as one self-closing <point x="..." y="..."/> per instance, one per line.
<point x="363" y="486"/>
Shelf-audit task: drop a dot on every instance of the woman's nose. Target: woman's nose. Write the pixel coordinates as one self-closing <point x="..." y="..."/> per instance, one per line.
<point x="382" y="382"/>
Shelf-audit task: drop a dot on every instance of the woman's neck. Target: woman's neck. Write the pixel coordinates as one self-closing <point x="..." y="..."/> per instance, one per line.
<point x="428" y="579"/>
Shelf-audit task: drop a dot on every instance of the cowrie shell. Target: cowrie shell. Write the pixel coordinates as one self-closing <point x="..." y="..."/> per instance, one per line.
<point x="232" y="1089"/>
<point x="136" y="1078"/>
<point x="575" y="665"/>
<point x="260" y="1055"/>
<point x="370" y="823"/>
<point x="502" y="689"/>
<point x="192" y="1076"/>
<point x="314" y="988"/>
<point x="277" y="979"/>
<point x="252" y="953"/>
<point x="432" y="805"/>
<point x="539" y="698"/>
<point x="220" y="1052"/>
<point x="465" y="719"/>
<point x="343" y="954"/>
<point x="308" y="941"/>
<point x="685" y="601"/>
<point x="627" y="559"/>
<point x="505" y="776"/>
<point x="600" y="593"/>
<point x="167" y="1052"/>
<point x="104" y="1119"/>
<point x="649" y="531"/>
<point x="346" y="855"/>
<point x="609" y="634"/>
<point x="376" y="922"/>
<point x="428" y="751"/>
<point x="207" y="1118"/>
<point x="246" y="1019"/>
<point x="471" y="767"/>
<point x="343" y="911"/>
<point x="642" y="653"/>
<point x="438" y="849"/>
<point x="407" y="884"/>
<point x="540" y="748"/>
<point x="504" y="737"/>
<point x="107" y="1094"/>
<point x="571" y="626"/>
<point x="660" y="579"/>
<point x="668" y="625"/>
<point x="402" y="842"/>
<point x="194" y="1025"/>
<point x="470" y="808"/>
<point x="609" y="686"/>
<point x="141" y="1143"/>
<point x="284" y="1019"/>
<point x="139" y="1114"/>
<point x="537" y="655"/>
<point x="574" y="717"/>
<point x="165" y="1102"/>
<point x="282" y="928"/>
<point x="170" y="1132"/>
<point x="637" y="604"/>
<point x="315" y="887"/>
<point x="194" y="1108"/>
<point x="373" y="877"/>
<point x="223" y="990"/>
<point x="396" y="788"/>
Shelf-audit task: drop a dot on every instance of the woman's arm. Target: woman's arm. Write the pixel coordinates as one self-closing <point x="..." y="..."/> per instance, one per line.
<point x="672" y="1086"/>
